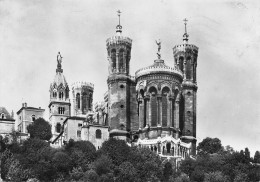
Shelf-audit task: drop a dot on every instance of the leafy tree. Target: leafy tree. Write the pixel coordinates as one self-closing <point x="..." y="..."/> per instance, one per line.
<point x="115" y="149"/>
<point x="127" y="172"/>
<point x="257" y="157"/>
<point x="209" y="146"/>
<point x="82" y="153"/>
<point x="247" y="154"/>
<point x="147" y="163"/>
<point x="215" y="177"/>
<point x="187" y="166"/>
<point x="62" y="162"/>
<point x="182" y="178"/>
<point x="40" y="129"/>
<point x="167" y="171"/>
<point x="90" y="176"/>
<point x="76" y="174"/>
<point x="241" y="177"/>
<point x="102" y="165"/>
<point x="6" y="159"/>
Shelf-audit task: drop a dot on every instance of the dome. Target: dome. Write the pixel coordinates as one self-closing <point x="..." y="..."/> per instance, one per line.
<point x="158" y="67"/>
<point x="59" y="80"/>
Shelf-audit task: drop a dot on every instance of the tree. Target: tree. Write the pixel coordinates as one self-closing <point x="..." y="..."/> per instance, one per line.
<point x="257" y="157"/>
<point x="127" y="172"/>
<point x="62" y="163"/>
<point x="209" y="146"/>
<point x="215" y="177"/>
<point x="241" y="177"/>
<point x="40" y="129"/>
<point x="117" y="150"/>
<point x="102" y="165"/>
<point x="167" y="171"/>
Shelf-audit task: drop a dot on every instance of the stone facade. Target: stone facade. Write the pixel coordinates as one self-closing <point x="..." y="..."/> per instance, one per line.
<point x="26" y="115"/>
<point x="7" y="122"/>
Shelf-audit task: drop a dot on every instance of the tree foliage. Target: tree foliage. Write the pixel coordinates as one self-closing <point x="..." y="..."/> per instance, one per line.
<point x="40" y="129"/>
<point x="209" y="146"/>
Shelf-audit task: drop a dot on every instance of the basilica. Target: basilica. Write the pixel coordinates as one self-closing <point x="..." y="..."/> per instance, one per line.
<point x="155" y="108"/>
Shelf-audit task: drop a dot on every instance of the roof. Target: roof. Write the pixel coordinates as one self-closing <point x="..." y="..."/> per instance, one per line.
<point x="6" y="113"/>
<point x="158" y="67"/>
<point x="30" y="108"/>
<point x="59" y="80"/>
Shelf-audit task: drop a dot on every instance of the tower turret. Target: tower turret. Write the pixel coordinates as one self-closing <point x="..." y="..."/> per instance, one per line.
<point x="59" y="106"/>
<point x="82" y="97"/>
<point x="185" y="58"/>
<point x="121" y="86"/>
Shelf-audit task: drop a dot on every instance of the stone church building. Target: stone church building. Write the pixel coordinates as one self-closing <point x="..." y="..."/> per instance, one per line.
<point x="155" y="108"/>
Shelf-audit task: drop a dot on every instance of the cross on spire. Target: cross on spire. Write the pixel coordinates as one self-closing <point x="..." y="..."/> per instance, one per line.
<point x="185" y="23"/>
<point x="185" y="35"/>
<point x="119" y="27"/>
<point x="118" y="14"/>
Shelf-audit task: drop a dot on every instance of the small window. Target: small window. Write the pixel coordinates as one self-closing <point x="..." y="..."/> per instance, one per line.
<point x="188" y="93"/>
<point x="3" y="116"/>
<point x="122" y="86"/>
<point x="58" y="128"/>
<point x="61" y="110"/>
<point x="98" y="133"/>
<point x="78" y="133"/>
<point x="122" y="106"/>
<point x="79" y="125"/>
<point x="33" y="117"/>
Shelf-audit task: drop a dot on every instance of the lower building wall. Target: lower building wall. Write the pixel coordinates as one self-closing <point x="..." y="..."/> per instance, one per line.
<point x="90" y="133"/>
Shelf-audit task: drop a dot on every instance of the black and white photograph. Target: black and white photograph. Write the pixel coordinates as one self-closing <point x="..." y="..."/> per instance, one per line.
<point x="129" y="91"/>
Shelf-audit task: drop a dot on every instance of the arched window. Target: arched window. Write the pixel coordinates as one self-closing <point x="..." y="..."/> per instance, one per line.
<point x="127" y="60"/>
<point x="165" y="92"/>
<point x="61" y="95"/>
<point x="58" y="127"/>
<point x="67" y="93"/>
<point x="153" y="101"/>
<point x="2" y="116"/>
<point x="188" y="68"/>
<point x="78" y="100"/>
<point x="84" y="102"/>
<point x="113" y="58"/>
<point x="89" y="101"/>
<point x="98" y="133"/>
<point x="121" y="59"/>
<point x="33" y="117"/>
<point x="181" y="63"/>
<point x="54" y="94"/>
<point x="168" y="148"/>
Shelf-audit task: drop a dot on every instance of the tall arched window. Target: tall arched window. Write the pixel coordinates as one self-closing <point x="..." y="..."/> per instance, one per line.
<point x="181" y="63"/>
<point x="168" y="148"/>
<point x="113" y="58"/>
<point x="89" y="101"/>
<point x="98" y="133"/>
<point x="84" y="101"/>
<point x="188" y="68"/>
<point x="127" y="60"/>
<point x="153" y="101"/>
<point x="165" y="92"/>
<point x="67" y="93"/>
<point x="121" y="59"/>
<point x="54" y="94"/>
<point x="2" y="116"/>
<point x="78" y="100"/>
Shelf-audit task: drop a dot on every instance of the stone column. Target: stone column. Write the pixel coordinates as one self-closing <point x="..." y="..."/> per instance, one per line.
<point x="159" y="106"/>
<point x="177" y="118"/>
<point x="141" y="112"/>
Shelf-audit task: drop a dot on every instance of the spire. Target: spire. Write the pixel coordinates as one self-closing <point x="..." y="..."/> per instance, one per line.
<point x="185" y="35"/>
<point x="118" y="27"/>
<point x="59" y="60"/>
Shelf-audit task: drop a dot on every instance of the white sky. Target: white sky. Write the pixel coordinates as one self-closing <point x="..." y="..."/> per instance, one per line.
<point x="226" y="32"/>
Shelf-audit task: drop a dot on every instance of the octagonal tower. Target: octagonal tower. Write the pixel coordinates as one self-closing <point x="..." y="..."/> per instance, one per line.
<point x="185" y="58"/>
<point x="121" y="86"/>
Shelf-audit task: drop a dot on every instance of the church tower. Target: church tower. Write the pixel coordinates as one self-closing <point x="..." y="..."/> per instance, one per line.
<point x="82" y="97"/>
<point x="59" y="106"/>
<point x="185" y="58"/>
<point x="121" y="86"/>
